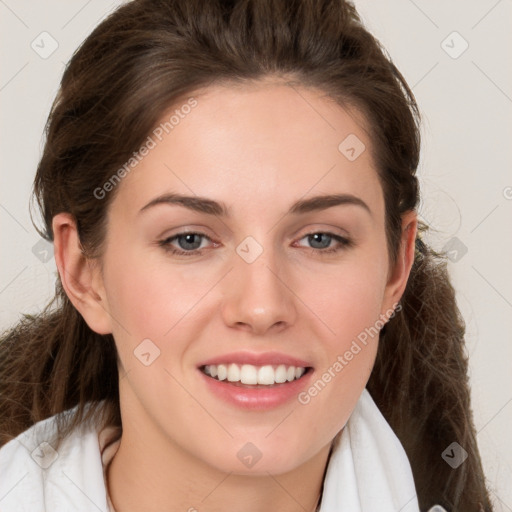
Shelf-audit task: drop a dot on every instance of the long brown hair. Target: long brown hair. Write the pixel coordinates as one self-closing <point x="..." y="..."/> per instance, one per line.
<point x="132" y="68"/>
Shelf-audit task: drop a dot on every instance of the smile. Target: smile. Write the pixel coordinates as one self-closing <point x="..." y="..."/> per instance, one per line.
<point x="248" y="374"/>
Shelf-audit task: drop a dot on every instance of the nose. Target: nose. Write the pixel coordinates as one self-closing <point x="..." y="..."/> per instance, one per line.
<point x="258" y="297"/>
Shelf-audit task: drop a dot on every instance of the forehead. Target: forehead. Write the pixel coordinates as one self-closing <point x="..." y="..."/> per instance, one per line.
<point x="257" y="143"/>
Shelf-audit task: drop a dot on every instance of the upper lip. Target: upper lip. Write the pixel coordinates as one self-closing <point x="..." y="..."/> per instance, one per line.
<point x="256" y="359"/>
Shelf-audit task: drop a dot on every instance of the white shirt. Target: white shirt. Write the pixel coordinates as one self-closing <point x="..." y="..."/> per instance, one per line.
<point x="368" y="470"/>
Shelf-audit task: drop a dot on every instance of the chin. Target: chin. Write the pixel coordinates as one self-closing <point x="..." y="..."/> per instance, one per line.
<point x="258" y="459"/>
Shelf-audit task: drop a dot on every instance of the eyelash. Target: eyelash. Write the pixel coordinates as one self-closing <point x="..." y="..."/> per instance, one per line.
<point x="343" y="243"/>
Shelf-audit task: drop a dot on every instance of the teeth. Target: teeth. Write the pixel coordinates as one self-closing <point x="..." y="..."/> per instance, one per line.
<point x="249" y="374"/>
<point x="280" y="374"/>
<point x="222" y="371"/>
<point x="266" y="375"/>
<point x="233" y="373"/>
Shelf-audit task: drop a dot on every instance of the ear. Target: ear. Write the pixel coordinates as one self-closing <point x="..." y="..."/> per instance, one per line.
<point x="399" y="272"/>
<point x="81" y="277"/>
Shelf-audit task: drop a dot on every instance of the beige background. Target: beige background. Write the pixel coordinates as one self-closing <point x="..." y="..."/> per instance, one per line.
<point x="465" y="95"/>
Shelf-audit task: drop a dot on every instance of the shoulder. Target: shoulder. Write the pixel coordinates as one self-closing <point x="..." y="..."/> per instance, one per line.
<point x="35" y="476"/>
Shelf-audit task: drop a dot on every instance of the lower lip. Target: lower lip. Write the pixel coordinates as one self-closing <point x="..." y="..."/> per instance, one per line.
<point x="257" y="398"/>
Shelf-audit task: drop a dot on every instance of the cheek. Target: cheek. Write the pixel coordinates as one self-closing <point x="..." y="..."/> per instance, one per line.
<point x="150" y="297"/>
<point x="349" y="303"/>
<point x="349" y="298"/>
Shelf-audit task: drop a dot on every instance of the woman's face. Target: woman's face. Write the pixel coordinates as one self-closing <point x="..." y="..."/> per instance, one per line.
<point x="275" y="282"/>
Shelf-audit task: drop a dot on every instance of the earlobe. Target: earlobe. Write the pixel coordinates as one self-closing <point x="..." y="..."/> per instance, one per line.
<point x="80" y="276"/>
<point x="405" y="258"/>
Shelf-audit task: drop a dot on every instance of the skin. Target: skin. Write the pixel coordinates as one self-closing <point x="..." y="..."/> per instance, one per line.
<point x="258" y="149"/>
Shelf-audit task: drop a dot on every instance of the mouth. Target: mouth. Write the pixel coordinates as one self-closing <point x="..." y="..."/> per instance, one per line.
<point x="252" y="376"/>
<point x="256" y="381"/>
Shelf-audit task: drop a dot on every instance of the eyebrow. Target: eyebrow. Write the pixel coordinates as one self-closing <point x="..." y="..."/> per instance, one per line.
<point x="211" y="207"/>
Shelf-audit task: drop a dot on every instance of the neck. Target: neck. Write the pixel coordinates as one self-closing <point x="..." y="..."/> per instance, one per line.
<point x="146" y="476"/>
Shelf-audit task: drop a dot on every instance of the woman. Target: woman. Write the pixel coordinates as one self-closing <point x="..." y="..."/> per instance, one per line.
<point x="245" y="316"/>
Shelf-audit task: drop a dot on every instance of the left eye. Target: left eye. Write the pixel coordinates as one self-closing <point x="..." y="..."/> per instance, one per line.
<point x="323" y="239"/>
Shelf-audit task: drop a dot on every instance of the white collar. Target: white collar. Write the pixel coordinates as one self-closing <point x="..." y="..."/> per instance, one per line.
<point x="368" y="469"/>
